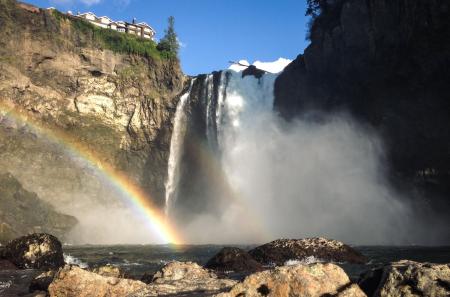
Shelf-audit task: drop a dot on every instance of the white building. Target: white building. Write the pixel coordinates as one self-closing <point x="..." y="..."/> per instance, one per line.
<point x="142" y="29"/>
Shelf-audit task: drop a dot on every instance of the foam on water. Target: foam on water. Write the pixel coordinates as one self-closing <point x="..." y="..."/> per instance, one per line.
<point x="71" y="260"/>
<point x="305" y="261"/>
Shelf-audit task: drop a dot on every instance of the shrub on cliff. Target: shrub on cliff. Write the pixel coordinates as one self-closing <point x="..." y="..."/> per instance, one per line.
<point x="113" y="40"/>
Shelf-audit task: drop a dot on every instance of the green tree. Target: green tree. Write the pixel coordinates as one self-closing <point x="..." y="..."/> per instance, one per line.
<point x="315" y="7"/>
<point x="169" y="42"/>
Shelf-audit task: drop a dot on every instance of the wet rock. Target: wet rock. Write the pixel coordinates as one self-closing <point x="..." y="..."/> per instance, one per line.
<point x="279" y="251"/>
<point x="147" y="278"/>
<point x="233" y="259"/>
<point x="38" y="251"/>
<point x="16" y="282"/>
<point x="109" y="270"/>
<point x="72" y="281"/>
<point x="299" y="280"/>
<point x="252" y="70"/>
<point x="409" y="279"/>
<point x="42" y="281"/>
<point x="185" y="279"/>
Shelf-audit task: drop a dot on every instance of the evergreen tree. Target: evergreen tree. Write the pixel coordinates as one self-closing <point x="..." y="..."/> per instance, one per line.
<point x="169" y="42"/>
<point x="315" y="7"/>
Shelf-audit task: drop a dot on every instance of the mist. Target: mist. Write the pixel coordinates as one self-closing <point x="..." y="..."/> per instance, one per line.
<point x="320" y="175"/>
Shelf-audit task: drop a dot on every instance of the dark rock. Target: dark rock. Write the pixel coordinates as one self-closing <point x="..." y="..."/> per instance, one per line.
<point x="38" y="251"/>
<point x="252" y="70"/>
<point x="370" y="280"/>
<point x="279" y="251"/>
<point x="147" y="278"/>
<point x="42" y="281"/>
<point x="387" y="64"/>
<point x="233" y="259"/>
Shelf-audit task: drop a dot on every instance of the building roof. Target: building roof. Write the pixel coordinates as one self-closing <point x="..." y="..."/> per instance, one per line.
<point x="105" y="17"/>
<point x="144" y="24"/>
<point x="86" y="13"/>
<point x="132" y="26"/>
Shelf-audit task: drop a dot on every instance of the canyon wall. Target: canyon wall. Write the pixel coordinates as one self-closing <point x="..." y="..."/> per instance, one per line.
<point x="62" y="75"/>
<point x="387" y="63"/>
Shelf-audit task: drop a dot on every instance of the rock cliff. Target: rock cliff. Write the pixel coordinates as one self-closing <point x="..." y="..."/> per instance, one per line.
<point x="69" y="78"/>
<point x="386" y="63"/>
<point x="22" y="212"/>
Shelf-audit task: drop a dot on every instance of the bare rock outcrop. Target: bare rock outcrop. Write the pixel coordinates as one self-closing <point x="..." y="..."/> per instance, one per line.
<point x="409" y="279"/>
<point x="109" y="270"/>
<point x="233" y="259"/>
<point x="37" y="251"/>
<point x="314" y="280"/>
<point x="185" y="279"/>
<point x="174" y="279"/>
<point x="279" y="251"/>
<point x="72" y="281"/>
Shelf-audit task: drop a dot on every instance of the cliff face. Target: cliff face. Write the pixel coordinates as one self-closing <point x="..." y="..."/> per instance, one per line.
<point x="60" y="73"/>
<point x="388" y="64"/>
<point x="22" y="212"/>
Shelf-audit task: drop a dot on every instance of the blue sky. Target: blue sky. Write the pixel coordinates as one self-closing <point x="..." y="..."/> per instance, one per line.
<point x="212" y="32"/>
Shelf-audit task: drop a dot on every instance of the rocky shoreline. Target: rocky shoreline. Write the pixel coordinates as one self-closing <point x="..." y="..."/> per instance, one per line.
<point x="35" y="265"/>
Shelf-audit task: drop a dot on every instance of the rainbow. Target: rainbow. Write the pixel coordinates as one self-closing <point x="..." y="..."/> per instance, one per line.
<point x="140" y="200"/>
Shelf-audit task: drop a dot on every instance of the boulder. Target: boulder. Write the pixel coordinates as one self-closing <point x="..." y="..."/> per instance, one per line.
<point x="408" y="279"/>
<point x="42" y="281"/>
<point x="314" y="280"/>
<point x="185" y="279"/>
<point x="72" y="281"/>
<point x="279" y="251"/>
<point x="233" y="259"/>
<point x="109" y="270"/>
<point x="38" y="251"/>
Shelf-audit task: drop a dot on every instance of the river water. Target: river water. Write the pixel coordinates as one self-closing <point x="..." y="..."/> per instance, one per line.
<point x="136" y="260"/>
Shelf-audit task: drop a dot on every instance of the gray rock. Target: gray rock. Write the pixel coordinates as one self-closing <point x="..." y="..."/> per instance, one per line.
<point x="409" y="279"/>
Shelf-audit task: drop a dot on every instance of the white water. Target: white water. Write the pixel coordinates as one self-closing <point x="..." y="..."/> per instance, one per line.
<point x="71" y="260"/>
<point x="299" y="179"/>
<point x="176" y="146"/>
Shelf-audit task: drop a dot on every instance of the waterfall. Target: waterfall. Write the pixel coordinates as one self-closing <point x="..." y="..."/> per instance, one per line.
<point x="176" y="146"/>
<point x="240" y="101"/>
<point x="233" y="159"/>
